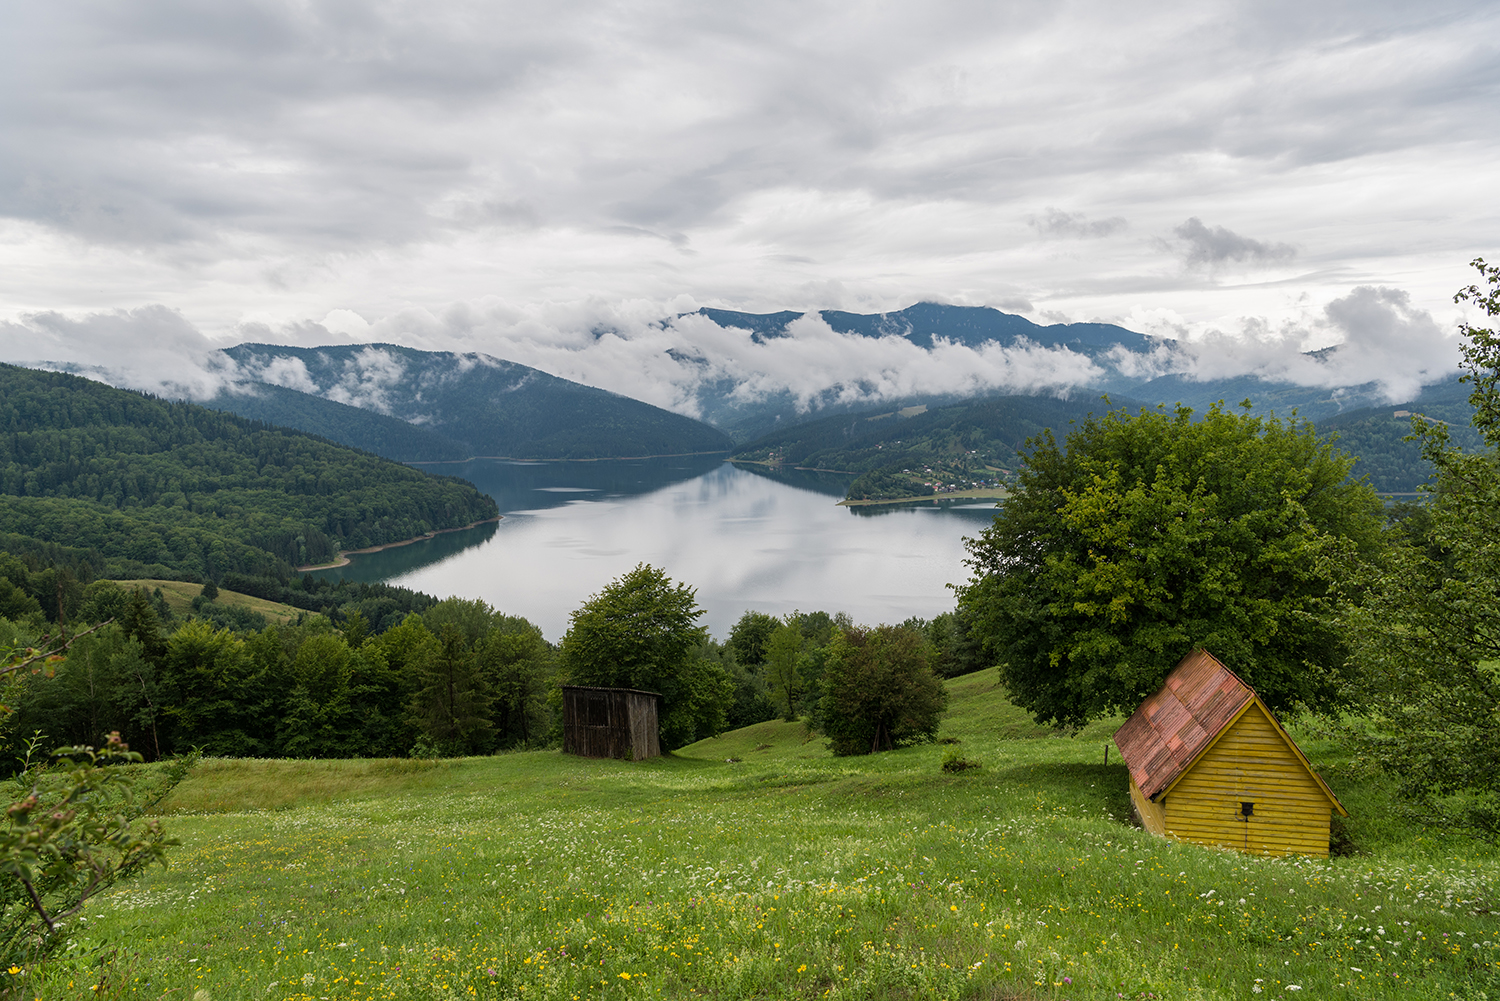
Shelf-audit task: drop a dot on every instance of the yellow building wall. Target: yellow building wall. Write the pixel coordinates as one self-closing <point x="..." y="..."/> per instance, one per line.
<point x="1251" y="762"/>
<point x="1153" y="817"/>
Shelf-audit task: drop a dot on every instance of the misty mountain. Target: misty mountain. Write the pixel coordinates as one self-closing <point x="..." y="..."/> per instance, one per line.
<point x="925" y="322"/>
<point x="427" y="406"/>
<point x="1120" y="362"/>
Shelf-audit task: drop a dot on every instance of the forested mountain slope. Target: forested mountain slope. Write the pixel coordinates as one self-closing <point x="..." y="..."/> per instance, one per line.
<point x="151" y="488"/>
<point x="967" y="439"/>
<point x="456" y="405"/>
<point x="969" y="436"/>
<point x="1376" y="437"/>
<point x="363" y="429"/>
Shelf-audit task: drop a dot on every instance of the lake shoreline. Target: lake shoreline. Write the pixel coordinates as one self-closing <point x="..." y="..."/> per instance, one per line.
<point x="344" y="554"/>
<point x="605" y="458"/>
<point x="782" y="465"/>
<point x="982" y="493"/>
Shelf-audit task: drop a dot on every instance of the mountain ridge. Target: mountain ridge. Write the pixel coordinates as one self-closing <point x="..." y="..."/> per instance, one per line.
<point x="451" y="405"/>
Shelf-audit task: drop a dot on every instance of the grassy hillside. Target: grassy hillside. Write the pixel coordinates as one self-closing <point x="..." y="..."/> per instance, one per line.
<point x="148" y="488"/>
<point x="786" y="873"/>
<point x="179" y="597"/>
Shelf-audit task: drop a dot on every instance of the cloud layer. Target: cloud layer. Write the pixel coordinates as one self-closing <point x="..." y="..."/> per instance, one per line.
<point x="690" y="364"/>
<point x="283" y="161"/>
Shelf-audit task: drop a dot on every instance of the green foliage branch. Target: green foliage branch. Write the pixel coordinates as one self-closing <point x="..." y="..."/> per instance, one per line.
<point x="1426" y="636"/>
<point x="71" y="830"/>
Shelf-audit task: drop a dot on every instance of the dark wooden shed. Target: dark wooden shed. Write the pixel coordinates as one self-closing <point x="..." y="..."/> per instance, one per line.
<point x="611" y="722"/>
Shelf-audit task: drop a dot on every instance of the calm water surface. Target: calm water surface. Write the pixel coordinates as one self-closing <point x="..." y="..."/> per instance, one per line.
<point x="743" y="539"/>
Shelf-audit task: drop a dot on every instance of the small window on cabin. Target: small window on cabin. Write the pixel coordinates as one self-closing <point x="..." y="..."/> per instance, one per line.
<point x="1247" y="809"/>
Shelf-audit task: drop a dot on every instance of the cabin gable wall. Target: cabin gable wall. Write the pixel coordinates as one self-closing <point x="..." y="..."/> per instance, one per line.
<point x="1249" y="763"/>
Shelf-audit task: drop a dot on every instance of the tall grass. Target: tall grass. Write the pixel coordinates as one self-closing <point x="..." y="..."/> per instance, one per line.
<point x="784" y="874"/>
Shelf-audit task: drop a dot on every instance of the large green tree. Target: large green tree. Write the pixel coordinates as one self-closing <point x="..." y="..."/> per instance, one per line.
<point x="641" y="631"/>
<point x="879" y="690"/>
<point x="1149" y="534"/>
<point x="1427" y="635"/>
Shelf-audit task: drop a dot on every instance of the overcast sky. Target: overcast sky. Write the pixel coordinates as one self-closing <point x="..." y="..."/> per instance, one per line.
<point x="1260" y="178"/>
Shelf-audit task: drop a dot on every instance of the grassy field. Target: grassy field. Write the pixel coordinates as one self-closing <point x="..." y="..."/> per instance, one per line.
<point x="180" y="595"/>
<point x="755" y="865"/>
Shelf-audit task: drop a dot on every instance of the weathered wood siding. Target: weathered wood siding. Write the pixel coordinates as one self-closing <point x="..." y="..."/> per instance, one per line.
<point x="610" y="723"/>
<point x="1153" y="817"/>
<point x="1250" y="762"/>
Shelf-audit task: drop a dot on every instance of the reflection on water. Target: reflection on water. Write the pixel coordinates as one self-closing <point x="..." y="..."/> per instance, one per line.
<point x="744" y="539"/>
<point x="523" y="486"/>
<point x="400" y="560"/>
<point x="817" y="480"/>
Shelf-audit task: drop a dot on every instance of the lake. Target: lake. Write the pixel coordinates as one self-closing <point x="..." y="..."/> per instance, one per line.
<point x="745" y="538"/>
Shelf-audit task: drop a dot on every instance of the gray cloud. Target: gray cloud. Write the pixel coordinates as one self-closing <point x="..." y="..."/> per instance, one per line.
<point x="1217" y="245"/>
<point x="273" y="161"/>
<point x="153" y="349"/>
<point x="1372" y="335"/>
<point x="1057" y="223"/>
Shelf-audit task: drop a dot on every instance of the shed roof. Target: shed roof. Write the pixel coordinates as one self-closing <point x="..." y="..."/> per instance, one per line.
<point x="605" y="688"/>
<point x="1173" y="728"/>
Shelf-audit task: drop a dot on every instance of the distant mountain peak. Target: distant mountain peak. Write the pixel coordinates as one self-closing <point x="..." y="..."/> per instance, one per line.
<point x="923" y="322"/>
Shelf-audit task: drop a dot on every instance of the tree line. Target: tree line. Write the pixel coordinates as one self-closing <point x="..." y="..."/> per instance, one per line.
<point x="388" y="672"/>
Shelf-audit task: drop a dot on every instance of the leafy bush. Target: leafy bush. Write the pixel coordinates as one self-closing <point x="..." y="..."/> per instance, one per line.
<point x="70" y="832"/>
<point x="954" y="761"/>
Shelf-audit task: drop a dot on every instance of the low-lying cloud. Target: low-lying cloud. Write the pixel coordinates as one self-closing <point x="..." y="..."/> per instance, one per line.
<point x="1372" y="336"/>
<point x="688" y="363"/>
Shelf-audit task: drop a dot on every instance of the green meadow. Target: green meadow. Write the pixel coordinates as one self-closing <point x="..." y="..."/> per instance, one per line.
<point x="756" y="865"/>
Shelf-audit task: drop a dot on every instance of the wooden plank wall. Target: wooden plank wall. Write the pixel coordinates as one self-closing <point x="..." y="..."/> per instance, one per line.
<point x="610" y="723"/>
<point x="1250" y="763"/>
<point x="1153" y="817"/>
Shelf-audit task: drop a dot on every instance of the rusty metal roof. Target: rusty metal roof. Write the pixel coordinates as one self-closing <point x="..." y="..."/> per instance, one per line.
<point x="1171" y="728"/>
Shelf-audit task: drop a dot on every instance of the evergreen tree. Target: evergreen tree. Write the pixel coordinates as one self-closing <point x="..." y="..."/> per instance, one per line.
<point x="451" y="707"/>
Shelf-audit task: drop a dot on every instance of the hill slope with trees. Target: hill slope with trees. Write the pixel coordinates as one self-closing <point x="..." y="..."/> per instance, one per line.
<point x="455" y="406"/>
<point x="148" y="488"/>
<point x="895" y="451"/>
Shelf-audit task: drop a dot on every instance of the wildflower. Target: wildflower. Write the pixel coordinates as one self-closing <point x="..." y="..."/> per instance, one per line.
<point x="624" y="976"/>
<point x="13" y="970"/>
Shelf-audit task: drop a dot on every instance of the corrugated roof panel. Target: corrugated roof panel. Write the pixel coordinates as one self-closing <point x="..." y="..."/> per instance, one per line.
<point x="1173" y="726"/>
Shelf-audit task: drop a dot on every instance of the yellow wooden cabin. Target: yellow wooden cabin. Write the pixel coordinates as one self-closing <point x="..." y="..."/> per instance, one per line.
<point x="1210" y="764"/>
